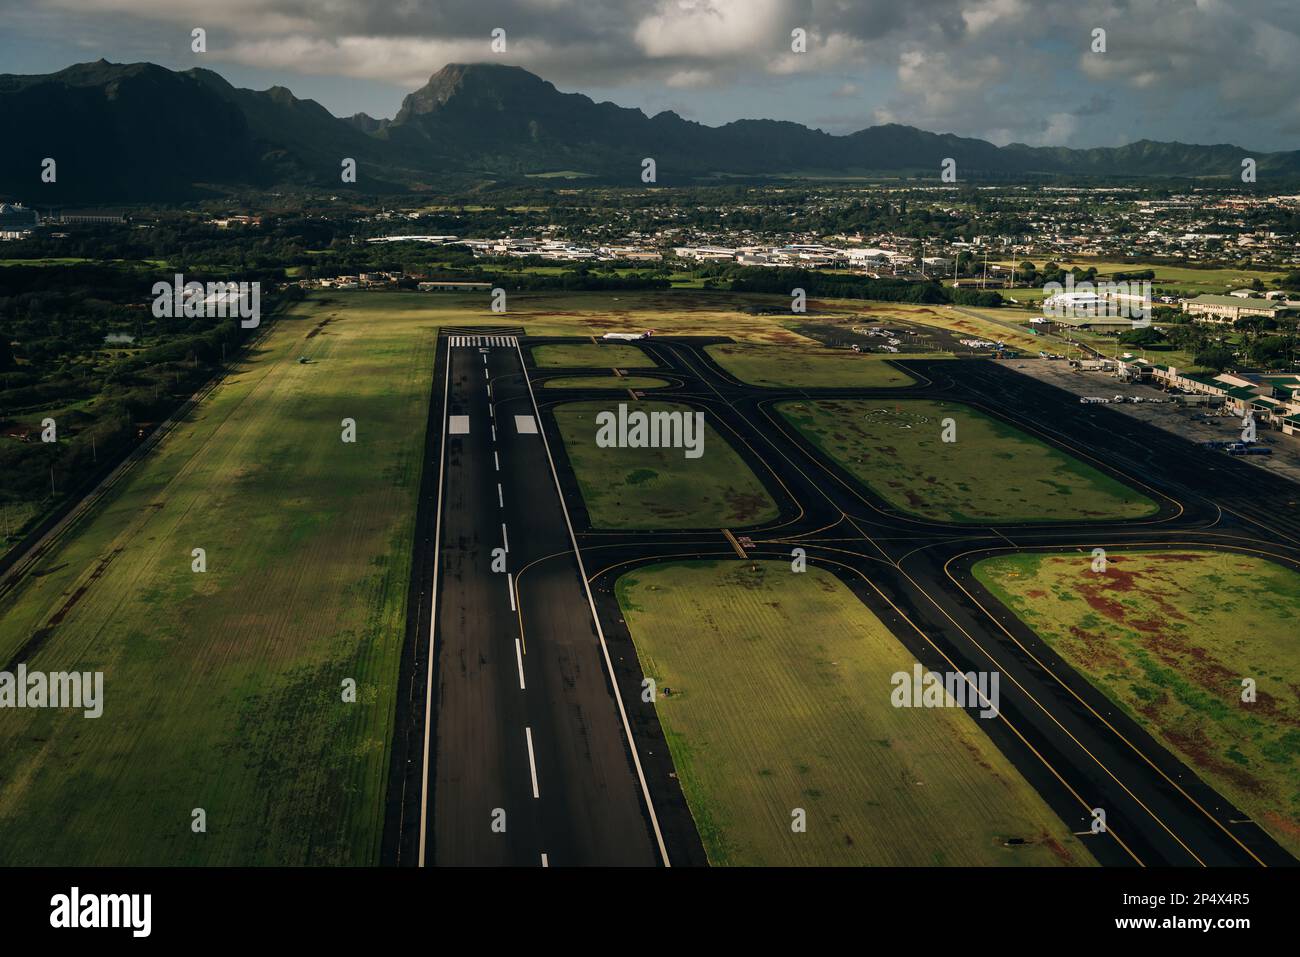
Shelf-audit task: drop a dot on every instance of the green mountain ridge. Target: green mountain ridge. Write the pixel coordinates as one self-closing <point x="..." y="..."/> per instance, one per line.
<point x="140" y="132"/>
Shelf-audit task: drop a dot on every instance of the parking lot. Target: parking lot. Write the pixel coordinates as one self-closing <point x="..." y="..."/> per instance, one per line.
<point x="1190" y="422"/>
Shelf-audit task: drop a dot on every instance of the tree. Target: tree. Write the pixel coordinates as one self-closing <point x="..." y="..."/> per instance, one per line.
<point x="1217" y="358"/>
<point x="1142" y="336"/>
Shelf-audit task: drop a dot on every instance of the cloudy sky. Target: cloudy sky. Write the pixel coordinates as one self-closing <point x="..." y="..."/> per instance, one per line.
<point x="1203" y="71"/>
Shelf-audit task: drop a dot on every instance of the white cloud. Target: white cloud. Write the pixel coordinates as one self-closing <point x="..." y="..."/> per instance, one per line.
<point x="690" y="79"/>
<point x="712" y="28"/>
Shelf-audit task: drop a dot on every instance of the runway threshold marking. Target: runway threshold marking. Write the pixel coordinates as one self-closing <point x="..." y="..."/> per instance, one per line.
<point x="532" y="762"/>
<point x="734" y="544"/>
<point x="595" y="617"/>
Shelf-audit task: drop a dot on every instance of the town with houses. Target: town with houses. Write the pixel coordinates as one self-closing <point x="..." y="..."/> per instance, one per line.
<point x="974" y="239"/>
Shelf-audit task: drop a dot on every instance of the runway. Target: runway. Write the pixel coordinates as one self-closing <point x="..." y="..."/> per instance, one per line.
<point x="607" y="790"/>
<point x="530" y="762"/>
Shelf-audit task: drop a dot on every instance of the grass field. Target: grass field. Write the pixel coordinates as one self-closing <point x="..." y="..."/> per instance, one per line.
<point x="990" y="473"/>
<point x="1168" y="637"/>
<point x="780" y="699"/>
<point x="1193" y="281"/>
<point x="223" y="690"/>
<point x="660" y="488"/>
<point x="606" y="382"/>
<point x="73" y="260"/>
<point x="783" y="367"/>
<point x="587" y="355"/>
<point x="674" y="312"/>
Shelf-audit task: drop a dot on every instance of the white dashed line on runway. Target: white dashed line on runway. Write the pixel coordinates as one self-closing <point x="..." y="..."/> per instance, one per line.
<point x="532" y="763"/>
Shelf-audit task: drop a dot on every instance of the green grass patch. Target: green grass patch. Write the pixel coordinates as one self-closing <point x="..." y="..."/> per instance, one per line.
<point x="606" y="382"/>
<point x="223" y="689"/>
<point x="777" y="696"/>
<point x="992" y="472"/>
<point x="1169" y="637"/>
<point x="660" y="488"/>
<point x="786" y="367"/>
<point x="587" y="355"/>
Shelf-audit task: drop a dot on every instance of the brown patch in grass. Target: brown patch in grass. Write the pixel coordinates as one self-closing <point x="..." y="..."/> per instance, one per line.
<point x="1198" y="748"/>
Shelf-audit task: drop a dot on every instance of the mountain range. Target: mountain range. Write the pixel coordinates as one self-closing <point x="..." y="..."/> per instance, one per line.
<point x="140" y="132"/>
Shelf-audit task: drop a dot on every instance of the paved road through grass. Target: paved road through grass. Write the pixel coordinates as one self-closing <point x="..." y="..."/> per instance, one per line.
<point x="1169" y="636"/>
<point x="990" y="472"/>
<point x="775" y="695"/>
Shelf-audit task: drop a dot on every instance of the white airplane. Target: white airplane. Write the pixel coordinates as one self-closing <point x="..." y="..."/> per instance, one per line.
<point x="629" y="336"/>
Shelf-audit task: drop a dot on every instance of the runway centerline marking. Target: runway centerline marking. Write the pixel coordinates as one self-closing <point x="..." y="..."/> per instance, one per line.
<point x="532" y="762"/>
<point x="496" y="461"/>
<point x="510" y="584"/>
<point x="545" y="863"/>
<point x="505" y="539"/>
<point x="501" y="501"/>
<point x="519" y="656"/>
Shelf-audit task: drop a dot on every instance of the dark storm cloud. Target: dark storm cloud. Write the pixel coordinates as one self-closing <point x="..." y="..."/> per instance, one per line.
<point x="1010" y="69"/>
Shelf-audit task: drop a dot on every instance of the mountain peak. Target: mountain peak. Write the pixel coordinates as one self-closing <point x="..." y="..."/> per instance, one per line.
<point x="476" y="86"/>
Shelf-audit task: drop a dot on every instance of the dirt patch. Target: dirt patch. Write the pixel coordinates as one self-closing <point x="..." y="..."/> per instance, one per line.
<point x="41" y="635"/>
<point x="745" y="505"/>
<point x="1198" y="748"/>
<point x="315" y="330"/>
